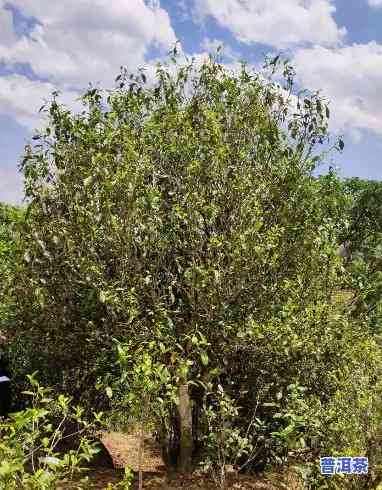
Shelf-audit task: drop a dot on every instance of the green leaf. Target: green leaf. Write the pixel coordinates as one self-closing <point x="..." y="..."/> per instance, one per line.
<point x="204" y="358"/>
<point x="88" y="180"/>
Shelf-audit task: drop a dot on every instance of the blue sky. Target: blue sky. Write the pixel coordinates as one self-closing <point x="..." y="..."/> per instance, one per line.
<point x="335" y="46"/>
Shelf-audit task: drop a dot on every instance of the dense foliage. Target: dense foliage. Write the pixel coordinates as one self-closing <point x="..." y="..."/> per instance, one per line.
<point x="10" y="218"/>
<point x="363" y="238"/>
<point x="179" y="255"/>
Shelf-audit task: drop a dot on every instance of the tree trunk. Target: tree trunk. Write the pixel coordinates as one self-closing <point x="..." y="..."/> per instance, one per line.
<point x="186" y="442"/>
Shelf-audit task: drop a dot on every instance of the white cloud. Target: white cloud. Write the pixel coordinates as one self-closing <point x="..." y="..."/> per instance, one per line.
<point x="74" y="43"/>
<point x="80" y="41"/>
<point x="375" y="3"/>
<point x="212" y="45"/>
<point x="351" y="78"/>
<point x="280" y="23"/>
<point x="21" y="99"/>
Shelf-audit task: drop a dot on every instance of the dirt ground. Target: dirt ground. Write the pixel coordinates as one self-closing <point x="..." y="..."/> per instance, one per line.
<point x="124" y="450"/>
<point x="159" y="481"/>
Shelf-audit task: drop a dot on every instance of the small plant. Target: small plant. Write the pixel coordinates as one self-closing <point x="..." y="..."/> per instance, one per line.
<point x="291" y="419"/>
<point x="228" y="447"/>
<point x="125" y="483"/>
<point x="29" y="439"/>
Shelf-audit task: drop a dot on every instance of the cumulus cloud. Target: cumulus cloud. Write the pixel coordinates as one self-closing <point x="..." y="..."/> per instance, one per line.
<point x="212" y="45"/>
<point x="75" y="42"/>
<point x="280" y="24"/>
<point x="375" y="3"/>
<point x="72" y="43"/>
<point x="21" y="99"/>
<point x="351" y="77"/>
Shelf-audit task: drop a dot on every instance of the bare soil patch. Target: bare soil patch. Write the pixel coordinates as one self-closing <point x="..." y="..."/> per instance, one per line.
<point x="124" y="450"/>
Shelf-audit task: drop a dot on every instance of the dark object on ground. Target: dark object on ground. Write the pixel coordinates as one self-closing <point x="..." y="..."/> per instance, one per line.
<point x="102" y="459"/>
<point x="5" y="395"/>
<point x="71" y="440"/>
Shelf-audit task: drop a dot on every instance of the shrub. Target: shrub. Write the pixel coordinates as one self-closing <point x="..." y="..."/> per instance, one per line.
<point x="28" y="440"/>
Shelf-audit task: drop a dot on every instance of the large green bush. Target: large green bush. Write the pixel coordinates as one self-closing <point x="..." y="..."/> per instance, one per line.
<point x="184" y="214"/>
